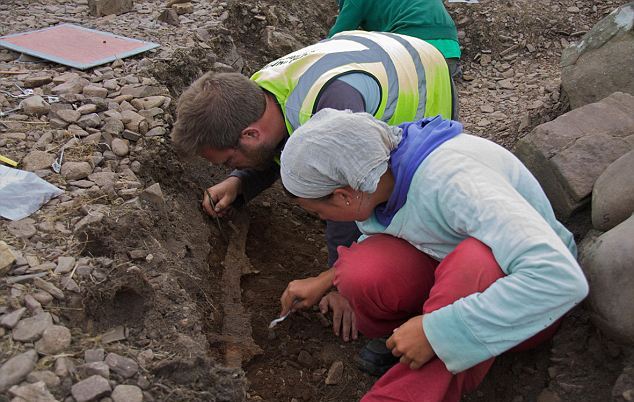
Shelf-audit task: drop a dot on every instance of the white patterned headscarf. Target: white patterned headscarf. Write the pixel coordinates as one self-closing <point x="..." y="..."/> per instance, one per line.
<point x="335" y="149"/>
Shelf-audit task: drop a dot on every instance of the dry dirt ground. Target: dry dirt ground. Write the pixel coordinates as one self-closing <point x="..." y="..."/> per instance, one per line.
<point x="175" y="304"/>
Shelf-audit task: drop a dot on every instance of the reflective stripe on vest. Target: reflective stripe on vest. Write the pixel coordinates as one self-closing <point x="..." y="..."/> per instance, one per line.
<point x="412" y="75"/>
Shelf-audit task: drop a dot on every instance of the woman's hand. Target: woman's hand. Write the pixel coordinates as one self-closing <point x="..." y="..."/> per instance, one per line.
<point x="343" y="319"/>
<point x="303" y="293"/>
<point x="410" y="343"/>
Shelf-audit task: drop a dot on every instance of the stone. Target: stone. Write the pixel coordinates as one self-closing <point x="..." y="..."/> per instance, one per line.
<point x="11" y="320"/>
<point x="131" y="135"/>
<point x="568" y="154"/>
<point x="72" y="87"/>
<point x="48" y="377"/>
<point x="36" y="392"/>
<point x="49" y="287"/>
<point x="120" y="147"/>
<point x="154" y="195"/>
<point x="335" y="373"/>
<point x="548" y="396"/>
<point x="116" y="334"/>
<point x="68" y="115"/>
<point x="76" y="170"/>
<point x="24" y="228"/>
<point x="65" y="77"/>
<point x="169" y="16"/>
<point x="133" y="121"/>
<point x="65" y="265"/>
<point x="585" y="75"/>
<point x="613" y="194"/>
<point x="70" y="285"/>
<point x="35" y="81"/>
<point x="183" y="8"/>
<point x="103" y="179"/>
<point x="100" y="8"/>
<point x="33" y="305"/>
<point x="127" y="393"/>
<point x="91" y="388"/>
<point x="607" y="263"/>
<point x="140" y="91"/>
<point x="17" y="368"/>
<point x="94" y="355"/>
<point x="156" y="131"/>
<point x="280" y="43"/>
<point x="31" y="329"/>
<point x="94" y="368"/>
<point x="113" y="126"/>
<point x="305" y="359"/>
<point x="87" y="108"/>
<point x="43" y="297"/>
<point x="92" y="219"/>
<point x="90" y="120"/>
<point x="35" y="105"/>
<point x="93" y="90"/>
<point x="37" y="160"/>
<point x="148" y="102"/>
<point x="55" y="339"/>
<point x="64" y="366"/>
<point x="121" y="365"/>
<point x="7" y="256"/>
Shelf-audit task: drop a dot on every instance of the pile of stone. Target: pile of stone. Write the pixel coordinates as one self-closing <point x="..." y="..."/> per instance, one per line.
<point x="95" y="124"/>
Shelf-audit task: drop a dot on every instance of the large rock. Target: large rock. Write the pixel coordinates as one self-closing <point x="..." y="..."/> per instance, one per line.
<point x="613" y="194"/>
<point x="99" y="8"/>
<point x="127" y="393"/>
<point x="36" y="392"/>
<point x="91" y="388"/>
<point x="35" y="105"/>
<point x="17" y="368"/>
<point x="76" y="170"/>
<point x="568" y="154"/>
<point x="38" y="160"/>
<point x="280" y="43"/>
<point x="32" y="328"/>
<point x="603" y="62"/>
<point x="7" y="256"/>
<point x="55" y="339"/>
<point x="609" y="266"/>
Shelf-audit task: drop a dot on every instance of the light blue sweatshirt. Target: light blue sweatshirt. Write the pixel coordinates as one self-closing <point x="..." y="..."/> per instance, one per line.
<point x="472" y="187"/>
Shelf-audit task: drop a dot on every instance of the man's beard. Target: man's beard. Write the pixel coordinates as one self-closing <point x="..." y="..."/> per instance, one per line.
<point x="260" y="158"/>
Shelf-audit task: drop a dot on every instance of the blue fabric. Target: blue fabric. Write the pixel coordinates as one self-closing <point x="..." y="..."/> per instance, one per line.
<point x="420" y="138"/>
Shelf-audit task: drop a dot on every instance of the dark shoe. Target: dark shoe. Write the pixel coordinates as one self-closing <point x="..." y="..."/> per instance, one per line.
<point x="375" y="358"/>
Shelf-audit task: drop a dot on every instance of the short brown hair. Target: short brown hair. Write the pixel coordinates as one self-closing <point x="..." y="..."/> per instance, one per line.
<point x="214" y="110"/>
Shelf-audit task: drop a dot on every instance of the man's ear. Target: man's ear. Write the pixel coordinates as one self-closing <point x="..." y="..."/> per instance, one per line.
<point x="250" y="136"/>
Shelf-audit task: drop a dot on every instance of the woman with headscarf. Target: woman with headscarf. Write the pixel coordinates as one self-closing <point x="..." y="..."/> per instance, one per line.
<point x="461" y="257"/>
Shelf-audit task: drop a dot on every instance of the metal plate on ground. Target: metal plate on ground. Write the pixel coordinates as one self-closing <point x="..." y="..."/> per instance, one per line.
<point x="75" y="46"/>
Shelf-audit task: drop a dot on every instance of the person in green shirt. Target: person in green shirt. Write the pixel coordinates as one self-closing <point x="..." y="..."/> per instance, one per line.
<point x="423" y="19"/>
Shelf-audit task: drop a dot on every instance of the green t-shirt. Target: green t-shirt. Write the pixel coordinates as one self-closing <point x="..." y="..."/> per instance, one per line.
<point x="423" y="19"/>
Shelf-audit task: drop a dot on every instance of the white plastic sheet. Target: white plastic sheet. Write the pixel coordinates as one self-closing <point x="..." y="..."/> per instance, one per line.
<point x="22" y="193"/>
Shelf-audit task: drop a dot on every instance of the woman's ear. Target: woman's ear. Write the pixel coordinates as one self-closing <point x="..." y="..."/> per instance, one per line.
<point x="345" y="195"/>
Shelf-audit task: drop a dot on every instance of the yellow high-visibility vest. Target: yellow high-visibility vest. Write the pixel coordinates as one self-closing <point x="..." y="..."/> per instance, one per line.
<point x="412" y="76"/>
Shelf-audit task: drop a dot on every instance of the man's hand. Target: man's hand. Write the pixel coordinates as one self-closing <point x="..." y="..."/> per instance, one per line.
<point x="343" y="318"/>
<point x="222" y="194"/>
<point x="410" y="343"/>
<point x="303" y="293"/>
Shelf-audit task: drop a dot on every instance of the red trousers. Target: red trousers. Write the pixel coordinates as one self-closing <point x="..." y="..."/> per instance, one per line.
<point x="387" y="281"/>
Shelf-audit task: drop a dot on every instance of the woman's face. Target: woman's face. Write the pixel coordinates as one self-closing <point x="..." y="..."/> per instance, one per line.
<point x="344" y="206"/>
